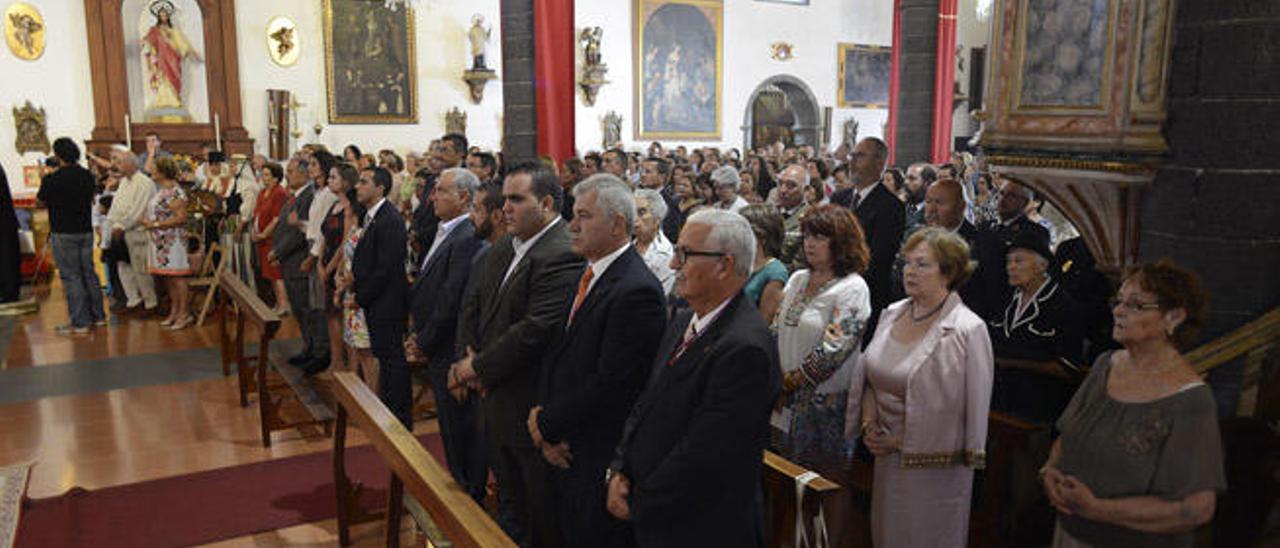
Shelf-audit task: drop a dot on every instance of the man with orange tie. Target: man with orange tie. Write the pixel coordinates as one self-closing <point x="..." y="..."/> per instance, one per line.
<point x="597" y="365"/>
<point x="687" y="469"/>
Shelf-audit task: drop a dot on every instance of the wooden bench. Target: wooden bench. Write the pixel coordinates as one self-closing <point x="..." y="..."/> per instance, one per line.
<point x="780" y="476"/>
<point x="448" y="507"/>
<point x="249" y="311"/>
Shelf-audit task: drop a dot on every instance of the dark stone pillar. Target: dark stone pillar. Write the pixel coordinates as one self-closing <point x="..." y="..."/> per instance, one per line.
<point x="519" y="113"/>
<point x="917" y="61"/>
<point x="1213" y="207"/>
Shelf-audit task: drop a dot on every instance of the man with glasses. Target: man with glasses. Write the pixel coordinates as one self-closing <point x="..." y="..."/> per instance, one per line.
<point x="791" y="184"/>
<point x="687" y="471"/>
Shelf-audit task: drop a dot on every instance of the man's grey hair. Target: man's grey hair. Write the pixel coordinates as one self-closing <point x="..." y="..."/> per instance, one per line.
<point x="613" y="197"/>
<point x="126" y="155"/>
<point x="463" y="181"/>
<point x="656" y="204"/>
<point x="731" y="234"/>
<point x="726" y="176"/>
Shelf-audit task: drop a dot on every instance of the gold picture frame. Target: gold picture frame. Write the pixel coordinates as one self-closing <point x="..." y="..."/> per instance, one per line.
<point x="863" y="72"/>
<point x="671" y="50"/>
<point x="381" y="85"/>
<point x="24" y="29"/>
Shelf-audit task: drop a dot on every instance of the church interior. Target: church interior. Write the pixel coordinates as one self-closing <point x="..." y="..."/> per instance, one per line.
<point x="168" y="409"/>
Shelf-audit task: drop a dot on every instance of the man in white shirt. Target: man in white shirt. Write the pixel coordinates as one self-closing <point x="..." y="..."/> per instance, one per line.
<point x="128" y="207"/>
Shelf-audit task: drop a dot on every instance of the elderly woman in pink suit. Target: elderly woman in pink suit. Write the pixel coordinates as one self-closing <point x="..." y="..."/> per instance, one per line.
<point x="923" y="391"/>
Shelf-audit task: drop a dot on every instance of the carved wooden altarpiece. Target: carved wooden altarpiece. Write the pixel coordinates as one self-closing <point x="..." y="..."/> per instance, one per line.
<point x="1077" y="93"/>
<point x="107" y="64"/>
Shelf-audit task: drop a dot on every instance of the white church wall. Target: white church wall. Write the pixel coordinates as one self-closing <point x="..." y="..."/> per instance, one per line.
<point x="442" y="55"/>
<point x="749" y="29"/>
<point x="58" y="81"/>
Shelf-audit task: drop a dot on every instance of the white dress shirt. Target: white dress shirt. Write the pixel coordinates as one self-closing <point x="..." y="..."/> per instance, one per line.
<point x="320" y="205"/>
<point x="658" y="258"/>
<point x="441" y="233"/>
<point x="522" y="247"/>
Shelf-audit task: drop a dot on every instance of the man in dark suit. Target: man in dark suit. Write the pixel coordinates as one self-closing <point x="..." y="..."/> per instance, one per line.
<point x="687" y="469"/>
<point x="436" y="298"/>
<point x="994" y="238"/>
<point x="944" y="208"/>
<point x="289" y="248"/>
<point x="521" y="287"/>
<point x="381" y="290"/>
<point x="597" y="367"/>
<point x="883" y="219"/>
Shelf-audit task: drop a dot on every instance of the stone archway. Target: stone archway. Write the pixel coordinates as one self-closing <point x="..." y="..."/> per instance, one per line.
<point x="807" y="124"/>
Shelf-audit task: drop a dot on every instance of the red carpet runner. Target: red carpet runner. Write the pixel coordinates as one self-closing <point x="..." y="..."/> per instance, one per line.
<point x="206" y="506"/>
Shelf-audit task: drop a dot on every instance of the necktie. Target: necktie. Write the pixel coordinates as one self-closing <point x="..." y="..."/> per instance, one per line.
<point x="853" y="204"/>
<point x="690" y="335"/>
<point x="583" y="285"/>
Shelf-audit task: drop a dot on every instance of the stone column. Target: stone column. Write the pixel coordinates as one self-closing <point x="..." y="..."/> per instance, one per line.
<point x="519" y="114"/>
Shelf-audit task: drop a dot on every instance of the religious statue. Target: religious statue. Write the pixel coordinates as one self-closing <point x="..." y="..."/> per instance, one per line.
<point x="479" y="36"/>
<point x="25" y="30"/>
<point x="593" y="70"/>
<point x="164" y="49"/>
<point x="284" y="40"/>
<point x="590" y="40"/>
<point x="455" y="121"/>
<point x="612" y="130"/>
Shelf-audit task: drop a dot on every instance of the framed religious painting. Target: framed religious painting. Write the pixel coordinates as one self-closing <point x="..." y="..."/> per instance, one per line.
<point x="369" y="63"/>
<point x="679" y="53"/>
<point x="864" y="73"/>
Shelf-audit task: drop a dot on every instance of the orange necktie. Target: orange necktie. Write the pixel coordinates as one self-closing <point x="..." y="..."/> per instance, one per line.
<point x="583" y="284"/>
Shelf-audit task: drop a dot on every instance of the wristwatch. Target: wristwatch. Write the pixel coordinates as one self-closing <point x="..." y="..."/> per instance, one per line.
<point x="609" y="473"/>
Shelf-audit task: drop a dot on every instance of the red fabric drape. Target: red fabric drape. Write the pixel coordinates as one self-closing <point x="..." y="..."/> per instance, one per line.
<point x="944" y="80"/>
<point x="168" y="60"/>
<point x="891" y="126"/>
<point x="553" y="76"/>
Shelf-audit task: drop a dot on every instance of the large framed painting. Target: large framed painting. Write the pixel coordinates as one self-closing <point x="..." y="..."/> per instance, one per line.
<point x="369" y="62"/>
<point x="864" y="73"/>
<point x="679" y="50"/>
<point x="1065" y="48"/>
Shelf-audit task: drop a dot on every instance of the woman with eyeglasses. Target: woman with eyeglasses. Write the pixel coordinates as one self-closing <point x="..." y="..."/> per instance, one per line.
<point x="923" y="388"/>
<point x="1139" y="461"/>
<point x="819" y="328"/>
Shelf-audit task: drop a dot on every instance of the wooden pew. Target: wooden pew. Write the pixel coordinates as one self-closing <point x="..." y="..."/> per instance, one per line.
<point x="252" y="370"/>
<point x="463" y="522"/>
<point x="779" y="480"/>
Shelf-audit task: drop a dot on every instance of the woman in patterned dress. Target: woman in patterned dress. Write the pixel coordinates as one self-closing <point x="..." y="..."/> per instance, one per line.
<point x="166" y="217"/>
<point x="355" y="332"/>
<point x="819" y="328"/>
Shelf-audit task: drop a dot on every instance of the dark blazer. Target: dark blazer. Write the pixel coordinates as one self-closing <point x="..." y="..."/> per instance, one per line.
<point x="514" y="324"/>
<point x="378" y="267"/>
<point x="597" y="367"/>
<point x="289" y="242"/>
<point x="883" y="219"/>
<point x="993" y="239"/>
<point x="424" y="219"/>
<point x="436" y="295"/>
<point x="692" y="446"/>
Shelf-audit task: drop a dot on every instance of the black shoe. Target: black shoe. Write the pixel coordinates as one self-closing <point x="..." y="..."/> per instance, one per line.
<point x="300" y="359"/>
<point x="319" y="365"/>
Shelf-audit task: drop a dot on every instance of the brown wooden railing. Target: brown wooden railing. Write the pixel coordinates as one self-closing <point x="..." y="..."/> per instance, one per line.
<point x="1254" y="335"/>
<point x="463" y="522"/>
<point x="780" y="477"/>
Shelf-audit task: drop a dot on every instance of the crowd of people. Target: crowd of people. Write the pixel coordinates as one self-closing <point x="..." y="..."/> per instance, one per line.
<point x="618" y="336"/>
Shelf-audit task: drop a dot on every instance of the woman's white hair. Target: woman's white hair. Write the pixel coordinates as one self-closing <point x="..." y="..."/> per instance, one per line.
<point x="730" y="234"/>
<point x="726" y="176"/>
<point x="612" y="196"/>
<point x="656" y="204"/>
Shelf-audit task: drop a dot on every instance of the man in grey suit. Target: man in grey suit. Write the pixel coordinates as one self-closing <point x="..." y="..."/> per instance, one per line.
<point x="522" y="285"/>
<point x="289" y="249"/>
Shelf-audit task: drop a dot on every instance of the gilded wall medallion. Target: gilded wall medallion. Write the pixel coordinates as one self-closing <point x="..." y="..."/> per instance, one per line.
<point x="24" y="31"/>
<point x="283" y="41"/>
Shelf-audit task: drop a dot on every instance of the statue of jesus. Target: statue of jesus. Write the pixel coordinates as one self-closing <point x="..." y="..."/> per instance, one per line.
<point x="164" y="48"/>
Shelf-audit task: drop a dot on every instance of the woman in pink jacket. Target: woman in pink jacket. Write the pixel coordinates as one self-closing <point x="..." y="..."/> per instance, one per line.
<point x="923" y="390"/>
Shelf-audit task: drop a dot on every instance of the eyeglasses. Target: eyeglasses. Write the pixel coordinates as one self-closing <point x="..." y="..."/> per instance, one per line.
<point x="683" y="254"/>
<point x="1133" y="305"/>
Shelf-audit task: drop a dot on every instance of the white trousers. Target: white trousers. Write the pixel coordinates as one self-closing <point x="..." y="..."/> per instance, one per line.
<point x="135" y="275"/>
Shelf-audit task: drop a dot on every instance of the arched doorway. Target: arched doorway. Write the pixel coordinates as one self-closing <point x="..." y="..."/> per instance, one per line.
<point x="781" y="108"/>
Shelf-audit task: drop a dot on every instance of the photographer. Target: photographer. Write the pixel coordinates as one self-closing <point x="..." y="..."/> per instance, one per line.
<point x="68" y="193"/>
